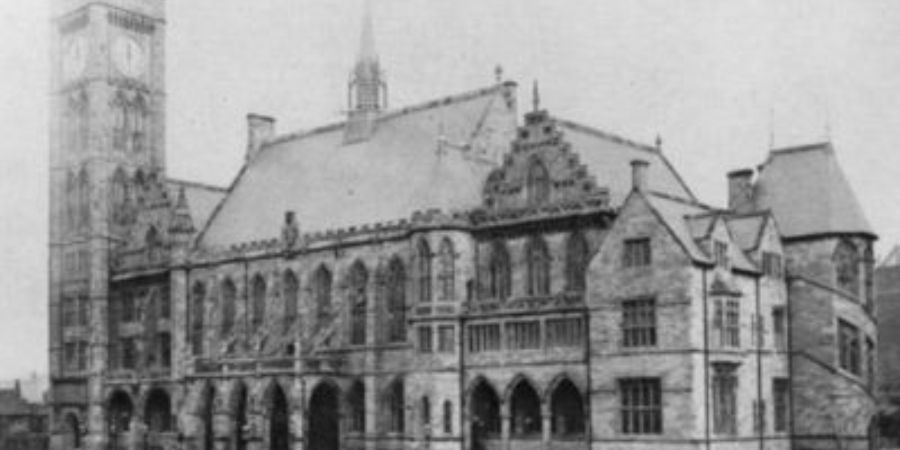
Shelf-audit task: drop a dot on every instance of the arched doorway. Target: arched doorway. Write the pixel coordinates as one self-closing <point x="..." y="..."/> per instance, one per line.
<point x="119" y="418"/>
<point x="525" y="412"/>
<point x="158" y="411"/>
<point x="567" y="411"/>
<point x="279" y="419"/>
<point x="239" y="411"/>
<point x="485" y="406"/>
<point x="71" y="432"/>
<point x="324" y="428"/>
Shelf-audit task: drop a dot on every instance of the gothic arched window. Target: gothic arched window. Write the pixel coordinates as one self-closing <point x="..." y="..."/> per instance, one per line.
<point x="138" y="127"/>
<point x="258" y="300"/>
<point x="395" y="407"/>
<point x="525" y="411"/>
<point x="566" y="410"/>
<point x="577" y="259"/>
<point x="290" y="291"/>
<point x="119" y="194"/>
<point x="538" y="267"/>
<point x="396" y="301"/>
<point x="198" y="317"/>
<point x="423" y="271"/>
<point x="229" y="299"/>
<point x="537" y="186"/>
<point x="321" y="290"/>
<point x="499" y="272"/>
<point x="359" y="278"/>
<point x="447" y="274"/>
<point x="846" y="263"/>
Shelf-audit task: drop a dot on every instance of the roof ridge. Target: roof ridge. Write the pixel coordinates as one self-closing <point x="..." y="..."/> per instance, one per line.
<point x="395" y="113"/>
<point x="197" y="184"/>
<point x="824" y="145"/>
<point x="685" y="201"/>
<point x="619" y="139"/>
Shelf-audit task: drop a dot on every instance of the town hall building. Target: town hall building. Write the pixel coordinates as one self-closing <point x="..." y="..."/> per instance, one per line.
<point x="452" y="274"/>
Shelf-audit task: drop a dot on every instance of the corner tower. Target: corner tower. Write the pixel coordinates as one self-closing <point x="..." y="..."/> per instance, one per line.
<point x="107" y="123"/>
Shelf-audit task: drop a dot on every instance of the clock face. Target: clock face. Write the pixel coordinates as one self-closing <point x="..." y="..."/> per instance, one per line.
<point x="128" y="57"/>
<point x="74" y="57"/>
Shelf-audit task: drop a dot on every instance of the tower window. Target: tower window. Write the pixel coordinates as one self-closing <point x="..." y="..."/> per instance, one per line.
<point x="848" y="347"/>
<point x="537" y="186"/>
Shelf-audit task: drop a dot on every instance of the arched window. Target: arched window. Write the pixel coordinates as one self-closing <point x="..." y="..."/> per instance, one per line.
<point x="138" y="125"/>
<point x="577" y="259"/>
<point x="537" y="187"/>
<point x="238" y="407"/>
<point x="567" y="410"/>
<point x="425" y="412"/>
<point x="279" y="419"/>
<point x="396" y="301"/>
<point x="846" y="262"/>
<point x="84" y="198"/>
<point x="291" y="289"/>
<point x="538" y="267"/>
<point x="525" y="411"/>
<point x="207" y="415"/>
<point x="258" y="299"/>
<point x="395" y="406"/>
<point x="356" y="402"/>
<point x="448" y="417"/>
<point x="499" y="272"/>
<point x="120" y="411"/>
<point x="229" y="298"/>
<point x="423" y="271"/>
<point x="447" y="275"/>
<point x="198" y="317"/>
<point x="76" y="123"/>
<point x="359" y="278"/>
<point x="321" y="287"/>
<point x="120" y="120"/>
<point x="485" y="412"/>
<point x="158" y="411"/>
<point x="119" y="196"/>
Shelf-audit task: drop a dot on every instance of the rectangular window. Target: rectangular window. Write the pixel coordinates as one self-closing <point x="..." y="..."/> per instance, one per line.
<point x="446" y="339"/>
<point x="127" y="310"/>
<point x="523" y="335"/>
<point x="641" y="405"/>
<point x="82" y="355"/>
<point x="425" y="340"/>
<point x="565" y="332"/>
<point x="70" y="356"/>
<point x="724" y="393"/>
<point x="84" y="308"/>
<point x="779" y="327"/>
<point x="721" y="253"/>
<point x="639" y="323"/>
<point x="165" y="349"/>
<point x="637" y="252"/>
<point x="726" y="322"/>
<point x="848" y="347"/>
<point x="484" y="337"/>
<point x="129" y="353"/>
<point x="870" y="363"/>
<point x="771" y="264"/>
<point x="781" y="398"/>
<point x="165" y="304"/>
<point x="69" y="311"/>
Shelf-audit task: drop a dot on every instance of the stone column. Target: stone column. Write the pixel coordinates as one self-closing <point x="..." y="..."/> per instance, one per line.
<point x="546" y="417"/>
<point x="298" y="408"/>
<point x="505" y="426"/>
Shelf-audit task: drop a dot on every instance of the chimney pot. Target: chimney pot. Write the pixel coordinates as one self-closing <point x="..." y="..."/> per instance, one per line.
<point x="260" y="129"/>
<point x="639" y="174"/>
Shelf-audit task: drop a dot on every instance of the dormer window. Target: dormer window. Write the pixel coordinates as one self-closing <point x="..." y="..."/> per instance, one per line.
<point x="538" y="185"/>
<point x="720" y="250"/>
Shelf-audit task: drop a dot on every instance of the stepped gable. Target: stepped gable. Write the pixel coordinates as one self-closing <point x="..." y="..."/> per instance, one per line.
<point x="434" y="155"/>
<point x="808" y="194"/>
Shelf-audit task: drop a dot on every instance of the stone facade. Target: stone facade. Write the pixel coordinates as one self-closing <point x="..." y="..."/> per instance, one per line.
<point x="560" y="306"/>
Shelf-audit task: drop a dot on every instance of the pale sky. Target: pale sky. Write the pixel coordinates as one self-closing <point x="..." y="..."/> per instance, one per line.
<point x="714" y="78"/>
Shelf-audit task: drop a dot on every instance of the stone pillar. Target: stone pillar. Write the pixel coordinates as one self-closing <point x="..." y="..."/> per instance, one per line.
<point x="372" y="415"/>
<point x="505" y="426"/>
<point x="297" y="409"/>
<point x="546" y="417"/>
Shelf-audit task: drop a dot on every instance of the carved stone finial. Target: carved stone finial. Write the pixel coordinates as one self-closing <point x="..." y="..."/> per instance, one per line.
<point x="290" y="231"/>
<point x="535" y="96"/>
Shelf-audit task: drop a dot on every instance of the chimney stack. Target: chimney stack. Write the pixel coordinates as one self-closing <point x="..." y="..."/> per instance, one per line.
<point x="260" y="129"/>
<point x="740" y="190"/>
<point x="639" y="174"/>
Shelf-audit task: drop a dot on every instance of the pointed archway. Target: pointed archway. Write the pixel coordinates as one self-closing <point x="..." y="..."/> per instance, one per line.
<point x="239" y="416"/>
<point x="279" y="419"/>
<point x="324" y="425"/>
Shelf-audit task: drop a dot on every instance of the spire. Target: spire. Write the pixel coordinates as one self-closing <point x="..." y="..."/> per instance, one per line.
<point x="367" y="89"/>
<point x="535" y="96"/>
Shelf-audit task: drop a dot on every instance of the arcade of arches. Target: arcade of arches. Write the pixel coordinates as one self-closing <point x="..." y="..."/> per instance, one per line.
<point x="336" y="414"/>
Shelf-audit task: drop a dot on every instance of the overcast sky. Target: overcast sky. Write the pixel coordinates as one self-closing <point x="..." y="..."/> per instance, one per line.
<point x="714" y="78"/>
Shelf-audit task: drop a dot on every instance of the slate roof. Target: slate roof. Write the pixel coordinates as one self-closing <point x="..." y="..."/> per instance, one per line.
<point x="747" y="230"/>
<point x="808" y="194"/>
<point x="330" y="184"/>
<point x="675" y="214"/>
<point x="608" y="157"/>
<point x="202" y="198"/>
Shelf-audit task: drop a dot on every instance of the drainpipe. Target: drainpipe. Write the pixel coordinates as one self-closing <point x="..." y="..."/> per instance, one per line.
<point x="705" y="359"/>
<point x="790" y="348"/>
<point x="759" y="384"/>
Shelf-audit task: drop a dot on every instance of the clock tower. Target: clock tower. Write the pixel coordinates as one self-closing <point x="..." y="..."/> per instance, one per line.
<point x="106" y="135"/>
